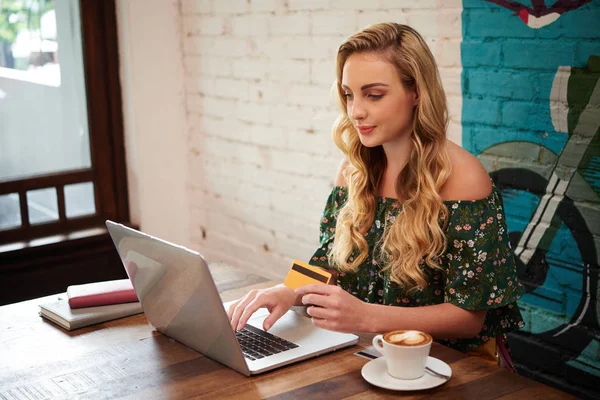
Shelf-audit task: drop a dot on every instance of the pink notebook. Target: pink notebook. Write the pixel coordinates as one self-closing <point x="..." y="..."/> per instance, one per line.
<point x="101" y="293"/>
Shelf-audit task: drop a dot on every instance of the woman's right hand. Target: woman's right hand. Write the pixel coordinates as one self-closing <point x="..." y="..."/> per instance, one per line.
<point x="277" y="299"/>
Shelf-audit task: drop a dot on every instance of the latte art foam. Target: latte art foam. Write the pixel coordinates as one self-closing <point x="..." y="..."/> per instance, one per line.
<point x="407" y="338"/>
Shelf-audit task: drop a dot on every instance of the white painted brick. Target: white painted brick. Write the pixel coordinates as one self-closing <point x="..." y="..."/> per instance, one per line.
<point x="447" y="52"/>
<point x="250" y="25"/>
<point x="286" y="182"/>
<point x="263" y="5"/>
<point x="222" y="186"/>
<point x="216" y="241"/>
<point x="234" y="170"/>
<point x="390" y="4"/>
<point x="455" y="107"/>
<point x="198" y="45"/>
<point x="239" y="152"/>
<point x="323" y="166"/>
<point x="218" y="46"/>
<point x="231" y="88"/>
<point x="218" y="107"/>
<point x="299" y="47"/>
<point x="228" y="127"/>
<point x="249" y="69"/>
<point x="288" y="25"/>
<point x="211" y="106"/>
<point x="272" y="47"/>
<point x="267" y="261"/>
<point x="324" y="118"/>
<point x="208" y="66"/>
<point x="277" y="180"/>
<point x="295" y="203"/>
<point x="323" y="72"/>
<point x="295" y="248"/>
<point x="197" y="84"/>
<point x="259" y="236"/>
<point x="291" y="161"/>
<point x="325" y="48"/>
<point x="224" y="224"/>
<point x="212" y="145"/>
<point x="231" y="47"/>
<point x="291" y="117"/>
<point x="309" y="95"/>
<point x="268" y="93"/>
<point x="196" y="6"/>
<point x="353" y="5"/>
<point x="451" y="80"/>
<point x="450" y="4"/>
<point x="284" y="223"/>
<point x="264" y="135"/>
<point x="283" y="48"/>
<point x="258" y="84"/>
<point x="289" y="71"/>
<point x="309" y="142"/>
<point x="455" y="132"/>
<point x="252" y="112"/>
<point x="312" y="5"/>
<point x="333" y="23"/>
<point x="230" y="7"/>
<point x="441" y="24"/>
<point x="254" y="194"/>
<point x="203" y="25"/>
<point x="374" y="17"/>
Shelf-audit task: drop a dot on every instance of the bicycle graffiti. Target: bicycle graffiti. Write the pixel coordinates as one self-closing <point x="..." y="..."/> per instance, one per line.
<point x="548" y="168"/>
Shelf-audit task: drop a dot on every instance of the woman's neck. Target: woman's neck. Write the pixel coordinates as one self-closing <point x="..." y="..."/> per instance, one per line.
<point x="397" y="154"/>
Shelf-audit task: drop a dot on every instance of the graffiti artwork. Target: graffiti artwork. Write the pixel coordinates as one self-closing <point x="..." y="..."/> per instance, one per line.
<point x="556" y="216"/>
<point x="552" y="200"/>
<point x="540" y="15"/>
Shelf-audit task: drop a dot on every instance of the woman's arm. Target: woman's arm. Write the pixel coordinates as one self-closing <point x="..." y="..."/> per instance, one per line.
<point x="443" y="321"/>
<point x="333" y="308"/>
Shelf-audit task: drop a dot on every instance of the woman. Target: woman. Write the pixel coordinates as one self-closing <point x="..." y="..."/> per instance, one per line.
<point x="413" y="221"/>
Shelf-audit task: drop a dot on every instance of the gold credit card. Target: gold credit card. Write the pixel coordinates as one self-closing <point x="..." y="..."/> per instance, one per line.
<point x="303" y="274"/>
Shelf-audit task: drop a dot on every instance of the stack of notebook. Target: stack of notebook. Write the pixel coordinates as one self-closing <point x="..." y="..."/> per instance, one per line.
<point x="93" y="303"/>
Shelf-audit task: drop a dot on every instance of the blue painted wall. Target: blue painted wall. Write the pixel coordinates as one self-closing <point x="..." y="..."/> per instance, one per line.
<point x="508" y="73"/>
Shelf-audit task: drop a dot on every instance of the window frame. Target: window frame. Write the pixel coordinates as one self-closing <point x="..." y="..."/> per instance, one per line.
<point x="105" y="121"/>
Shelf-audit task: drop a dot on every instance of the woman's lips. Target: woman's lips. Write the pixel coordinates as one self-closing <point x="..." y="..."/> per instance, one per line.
<point x="365" y="130"/>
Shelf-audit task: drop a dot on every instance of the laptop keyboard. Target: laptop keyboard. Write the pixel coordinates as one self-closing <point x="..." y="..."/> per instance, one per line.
<point x="256" y="343"/>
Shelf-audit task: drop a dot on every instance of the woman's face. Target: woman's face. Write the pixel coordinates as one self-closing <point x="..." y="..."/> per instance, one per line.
<point x="378" y="105"/>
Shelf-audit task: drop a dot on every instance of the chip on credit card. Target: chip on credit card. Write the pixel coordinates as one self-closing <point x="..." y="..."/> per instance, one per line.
<point x="303" y="274"/>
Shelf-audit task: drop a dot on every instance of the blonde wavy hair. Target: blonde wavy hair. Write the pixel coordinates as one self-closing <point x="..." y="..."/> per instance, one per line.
<point x="416" y="236"/>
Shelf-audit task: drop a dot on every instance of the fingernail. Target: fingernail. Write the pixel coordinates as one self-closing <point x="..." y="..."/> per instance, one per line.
<point x="267" y="327"/>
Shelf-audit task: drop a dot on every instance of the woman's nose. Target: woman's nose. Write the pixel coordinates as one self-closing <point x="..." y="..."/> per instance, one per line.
<point x="358" y="112"/>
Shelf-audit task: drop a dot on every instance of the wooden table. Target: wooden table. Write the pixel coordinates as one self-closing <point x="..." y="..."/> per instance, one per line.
<point x="126" y="358"/>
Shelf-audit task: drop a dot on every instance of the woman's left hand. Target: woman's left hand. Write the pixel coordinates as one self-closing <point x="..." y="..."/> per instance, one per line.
<point x="332" y="308"/>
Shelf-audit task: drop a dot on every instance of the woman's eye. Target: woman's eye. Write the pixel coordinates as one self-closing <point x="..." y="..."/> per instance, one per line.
<point x="375" y="96"/>
<point x="348" y="95"/>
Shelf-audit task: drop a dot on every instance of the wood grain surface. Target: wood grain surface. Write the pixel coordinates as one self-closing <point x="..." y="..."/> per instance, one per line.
<point x="128" y="359"/>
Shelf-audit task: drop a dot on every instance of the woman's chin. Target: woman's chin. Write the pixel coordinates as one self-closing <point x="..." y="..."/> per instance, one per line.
<point x="368" y="141"/>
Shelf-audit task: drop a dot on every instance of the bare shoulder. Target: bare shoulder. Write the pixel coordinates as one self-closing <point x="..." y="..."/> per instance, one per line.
<point x="340" y="176"/>
<point x="468" y="180"/>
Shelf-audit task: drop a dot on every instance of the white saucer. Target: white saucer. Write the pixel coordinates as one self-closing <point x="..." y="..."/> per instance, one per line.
<point x="375" y="372"/>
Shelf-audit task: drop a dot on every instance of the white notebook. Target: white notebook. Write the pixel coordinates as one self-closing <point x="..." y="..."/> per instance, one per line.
<point x="60" y="313"/>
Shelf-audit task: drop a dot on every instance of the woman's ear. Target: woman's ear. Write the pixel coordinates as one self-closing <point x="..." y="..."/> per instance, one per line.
<point x="416" y="97"/>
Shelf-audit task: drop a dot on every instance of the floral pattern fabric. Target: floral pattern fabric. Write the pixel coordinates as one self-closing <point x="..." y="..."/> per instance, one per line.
<point x="478" y="269"/>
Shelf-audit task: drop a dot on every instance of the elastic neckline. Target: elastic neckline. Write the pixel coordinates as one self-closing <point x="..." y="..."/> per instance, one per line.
<point x="393" y="200"/>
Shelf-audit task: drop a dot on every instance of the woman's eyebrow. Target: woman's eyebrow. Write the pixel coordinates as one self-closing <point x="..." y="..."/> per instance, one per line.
<point x="370" y="85"/>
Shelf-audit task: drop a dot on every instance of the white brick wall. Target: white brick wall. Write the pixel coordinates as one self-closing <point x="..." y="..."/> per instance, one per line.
<point x="258" y="83"/>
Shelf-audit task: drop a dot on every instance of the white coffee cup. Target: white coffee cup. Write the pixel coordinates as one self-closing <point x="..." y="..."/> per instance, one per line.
<point x="405" y="352"/>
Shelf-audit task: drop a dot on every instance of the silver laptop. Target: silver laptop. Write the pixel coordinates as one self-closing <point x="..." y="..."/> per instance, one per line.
<point x="180" y="299"/>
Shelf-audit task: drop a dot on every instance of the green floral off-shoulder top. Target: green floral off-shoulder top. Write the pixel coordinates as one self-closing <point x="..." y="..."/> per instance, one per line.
<point x="479" y="271"/>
